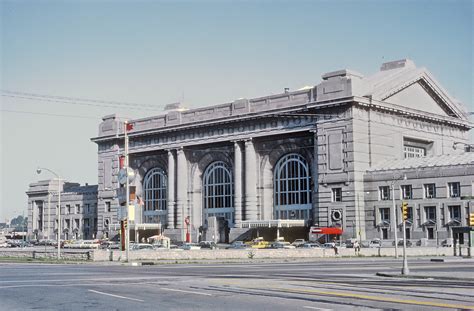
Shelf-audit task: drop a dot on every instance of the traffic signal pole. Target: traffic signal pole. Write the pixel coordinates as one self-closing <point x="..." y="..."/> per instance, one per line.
<point x="127" y="194"/>
<point x="405" y="270"/>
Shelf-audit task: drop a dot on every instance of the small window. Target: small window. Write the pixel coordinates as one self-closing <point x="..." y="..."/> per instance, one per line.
<point x="337" y="194"/>
<point x="68" y="209"/>
<point x="413" y="152"/>
<point x="454" y="189"/>
<point x="407" y="193"/>
<point x="454" y="212"/>
<point x="430" y="212"/>
<point x="385" y="215"/>
<point x="384" y="193"/>
<point x="384" y="233"/>
<point x="78" y="208"/>
<point x="430" y="191"/>
<point x="107" y="206"/>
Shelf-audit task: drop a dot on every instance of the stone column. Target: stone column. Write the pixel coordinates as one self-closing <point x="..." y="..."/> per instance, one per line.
<point x="238" y="184"/>
<point x="171" y="190"/>
<point x="250" y="181"/>
<point x="315" y="178"/>
<point x="182" y="182"/>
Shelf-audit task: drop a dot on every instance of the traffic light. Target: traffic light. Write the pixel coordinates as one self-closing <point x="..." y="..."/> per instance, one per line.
<point x="471" y="219"/>
<point x="125" y="223"/>
<point x="404" y="211"/>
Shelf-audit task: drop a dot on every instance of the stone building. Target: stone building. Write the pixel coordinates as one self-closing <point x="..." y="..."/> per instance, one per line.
<point x="78" y="210"/>
<point x="287" y="160"/>
<point x="438" y="190"/>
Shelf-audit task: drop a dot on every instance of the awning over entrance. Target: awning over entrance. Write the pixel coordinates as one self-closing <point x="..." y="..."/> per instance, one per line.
<point x="326" y="230"/>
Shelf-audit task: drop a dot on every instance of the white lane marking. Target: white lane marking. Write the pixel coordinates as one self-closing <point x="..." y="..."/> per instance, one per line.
<point x="315" y="308"/>
<point x="117" y="296"/>
<point x="186" y="291"/>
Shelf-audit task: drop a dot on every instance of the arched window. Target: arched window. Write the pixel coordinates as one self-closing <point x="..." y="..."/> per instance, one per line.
<point x="218" y="189"/>
<point x="155" y="195"/>
<point x="292" y="188"/>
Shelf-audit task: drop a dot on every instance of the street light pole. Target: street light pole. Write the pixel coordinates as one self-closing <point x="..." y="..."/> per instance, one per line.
<point x="394" y="216"/>
<point x="38" y="170"/>
<point x="127" y="194"/>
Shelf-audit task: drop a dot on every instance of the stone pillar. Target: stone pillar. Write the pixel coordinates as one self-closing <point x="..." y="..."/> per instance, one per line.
<point x="171" y="190"/>
<point x="238" y="184"/>
<point x="250" y="181"/>
<point x="182" y="182"/>
<point x="315" y="178"/>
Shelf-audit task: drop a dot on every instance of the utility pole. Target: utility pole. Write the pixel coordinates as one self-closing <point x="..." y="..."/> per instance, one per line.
<point x="395" y="223"/>
<point x="405" y="270"/>
<point x="127" y="194"/>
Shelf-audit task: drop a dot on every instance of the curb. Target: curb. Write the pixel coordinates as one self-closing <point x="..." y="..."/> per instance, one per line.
<point x="423" y="277"/>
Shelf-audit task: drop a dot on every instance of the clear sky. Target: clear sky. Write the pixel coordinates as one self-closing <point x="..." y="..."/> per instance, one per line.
<point x="197" y="52"/>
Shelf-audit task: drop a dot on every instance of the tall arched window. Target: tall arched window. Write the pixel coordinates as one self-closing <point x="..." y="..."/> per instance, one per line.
<point x="155" y="196"/>
<point x="218" y="186"/>
<point x="292" y="188"/>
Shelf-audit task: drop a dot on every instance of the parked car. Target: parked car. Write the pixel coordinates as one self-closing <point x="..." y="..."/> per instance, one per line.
<point x="350" y="243"/>
<point x="190" y="246"/>
<point x="282" y="245"/>
<point x="140" y="246"/>
<point x="259" y="243"/>
<point x="311" y="245"/>
<point x="208" y="244"/>
<point x="298" y="242"/>
<point x="400" y="243"/>
<point x="238" y="245"/>
<point x="372" y="243"/>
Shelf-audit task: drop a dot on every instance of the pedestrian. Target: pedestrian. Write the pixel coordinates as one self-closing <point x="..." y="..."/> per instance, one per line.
<point x="357" y="248"/>
<point x="336" y="250"/>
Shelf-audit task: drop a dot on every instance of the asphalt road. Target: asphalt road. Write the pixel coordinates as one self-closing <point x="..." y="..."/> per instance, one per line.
<point x="342" y="284"/>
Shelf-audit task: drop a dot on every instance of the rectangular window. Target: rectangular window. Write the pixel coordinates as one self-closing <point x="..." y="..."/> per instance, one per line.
<point x="385" y="215"/>
<point x="430" y="212"/>
<point x="430" y="191"/>
<point x="336" y="194"/>
<point x="384" y="193"/>
<point x="78" y="208"/>
<point x="454" y="212"/>
<point x="87" y="209"/>
<point x="454" y="189"/>
<point x="413" y="152"/>
<point x="68" y="209"/>
<point x="107" y="207"/>
<point x="407" y="193"/>
<point x="384" y="233"/>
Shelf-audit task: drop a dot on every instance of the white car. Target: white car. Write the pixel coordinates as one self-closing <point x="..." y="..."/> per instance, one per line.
<point x="190" y="246"/>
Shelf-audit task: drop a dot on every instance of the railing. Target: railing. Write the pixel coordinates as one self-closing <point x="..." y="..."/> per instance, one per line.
<point x="279" y="223"/>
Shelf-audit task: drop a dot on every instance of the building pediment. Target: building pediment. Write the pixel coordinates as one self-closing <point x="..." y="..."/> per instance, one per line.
<point x="414" y="88"/>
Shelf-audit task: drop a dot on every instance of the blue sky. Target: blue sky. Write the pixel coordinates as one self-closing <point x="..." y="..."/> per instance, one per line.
<point x="197" y="52"/>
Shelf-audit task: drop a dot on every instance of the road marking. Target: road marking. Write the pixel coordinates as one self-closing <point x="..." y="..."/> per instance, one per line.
<point x="375" y="298"/>
<point x="117" y="296"/>
<point x="314" y="308"/>
<point x="186" y="291"/>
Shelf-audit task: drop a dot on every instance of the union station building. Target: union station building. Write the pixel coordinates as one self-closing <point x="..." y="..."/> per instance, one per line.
<point x="344" y="153"/>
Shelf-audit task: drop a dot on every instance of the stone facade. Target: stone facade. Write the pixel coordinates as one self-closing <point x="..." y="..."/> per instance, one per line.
<point x="299" y="155"/>
<point x="78" y="210"/>
<point x="340" y="128"/>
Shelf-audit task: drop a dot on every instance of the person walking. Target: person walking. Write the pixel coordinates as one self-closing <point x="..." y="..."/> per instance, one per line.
<point x="357" y="248"/>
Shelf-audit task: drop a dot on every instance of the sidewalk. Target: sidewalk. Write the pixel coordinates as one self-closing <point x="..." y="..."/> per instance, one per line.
<point x="436" y="275"/>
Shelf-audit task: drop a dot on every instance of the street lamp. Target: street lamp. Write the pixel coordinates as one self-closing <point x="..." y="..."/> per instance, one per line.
<point x="38" y="171"/>
<point x="394" y="211"/>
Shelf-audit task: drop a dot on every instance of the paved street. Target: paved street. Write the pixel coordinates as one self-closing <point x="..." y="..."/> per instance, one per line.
<point x="321" y="285"/>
